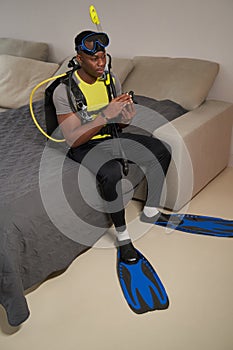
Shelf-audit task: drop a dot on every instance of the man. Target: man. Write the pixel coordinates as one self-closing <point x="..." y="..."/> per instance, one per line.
<point x="107" y="120"/>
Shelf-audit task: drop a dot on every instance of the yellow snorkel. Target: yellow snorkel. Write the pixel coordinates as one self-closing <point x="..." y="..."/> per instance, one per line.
<point x="95" y="18"/>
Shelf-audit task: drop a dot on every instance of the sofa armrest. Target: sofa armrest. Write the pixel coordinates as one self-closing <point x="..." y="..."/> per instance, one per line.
<point x="200" y="116"/>
<point x="200" y="141"/>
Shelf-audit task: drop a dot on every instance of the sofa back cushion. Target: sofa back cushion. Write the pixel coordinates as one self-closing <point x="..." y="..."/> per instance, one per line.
<point x="24" y="48"/>
<point x="18" y="77"/>
<point x="185" y="81"/>
<point x="120" y="66"/>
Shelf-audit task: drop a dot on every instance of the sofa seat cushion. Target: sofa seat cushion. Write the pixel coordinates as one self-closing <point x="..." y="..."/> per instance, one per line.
<point x="152" y="114"/>
<point x="186" y="81"/>
<point x="167" y="108"/>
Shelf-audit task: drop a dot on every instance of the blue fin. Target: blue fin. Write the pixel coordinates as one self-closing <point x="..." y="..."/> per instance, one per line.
<point x="141" y="286"/>
<point x="198" y="224"/>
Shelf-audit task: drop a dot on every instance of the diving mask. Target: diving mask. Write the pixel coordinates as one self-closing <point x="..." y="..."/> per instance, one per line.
<point x="93" y="42"/>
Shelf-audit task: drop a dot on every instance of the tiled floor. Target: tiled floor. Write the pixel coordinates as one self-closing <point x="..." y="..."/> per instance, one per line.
<point x="83" y="309"/>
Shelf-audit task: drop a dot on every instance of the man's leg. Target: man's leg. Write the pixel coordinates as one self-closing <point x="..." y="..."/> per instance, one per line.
<point x="108" y="174"/>
<point x="155" y="156"/>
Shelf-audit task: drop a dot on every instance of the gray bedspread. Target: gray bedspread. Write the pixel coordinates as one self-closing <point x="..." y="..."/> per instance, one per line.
<point x="33" y="245"/>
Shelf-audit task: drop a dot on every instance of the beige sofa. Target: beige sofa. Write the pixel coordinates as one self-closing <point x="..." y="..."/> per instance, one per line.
<point x="200" y="139"/>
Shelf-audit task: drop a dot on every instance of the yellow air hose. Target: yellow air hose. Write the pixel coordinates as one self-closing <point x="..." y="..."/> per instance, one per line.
<point x="31" y="107"/>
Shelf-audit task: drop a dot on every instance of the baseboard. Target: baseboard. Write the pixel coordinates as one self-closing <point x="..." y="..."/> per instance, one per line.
<point x="230" y="164"/>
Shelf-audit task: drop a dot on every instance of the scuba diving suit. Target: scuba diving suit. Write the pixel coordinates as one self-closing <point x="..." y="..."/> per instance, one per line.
<point x="102" y="154"/>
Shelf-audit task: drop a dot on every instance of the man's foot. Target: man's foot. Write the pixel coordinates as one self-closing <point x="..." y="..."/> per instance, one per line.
<point x="127" y="252"/>
<point x="160" y="217"/>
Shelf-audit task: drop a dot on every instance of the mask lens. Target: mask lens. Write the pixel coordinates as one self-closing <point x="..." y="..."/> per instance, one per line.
<point x="89" y="43"/>
<point x="102" y="39"/>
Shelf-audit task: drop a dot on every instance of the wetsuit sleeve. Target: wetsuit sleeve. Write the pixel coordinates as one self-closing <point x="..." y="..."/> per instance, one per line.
<point x="60" y="100"/>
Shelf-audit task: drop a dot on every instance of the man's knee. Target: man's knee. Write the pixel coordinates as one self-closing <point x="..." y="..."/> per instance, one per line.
<point x="110" y="173"/>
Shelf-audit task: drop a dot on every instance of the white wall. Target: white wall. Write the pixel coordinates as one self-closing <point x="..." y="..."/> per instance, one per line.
<point x="176" y="28"/>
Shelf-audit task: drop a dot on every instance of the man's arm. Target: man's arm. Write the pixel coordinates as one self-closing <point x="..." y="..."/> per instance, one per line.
<point x="77" y="133"/>
<point x="71" y="125"/>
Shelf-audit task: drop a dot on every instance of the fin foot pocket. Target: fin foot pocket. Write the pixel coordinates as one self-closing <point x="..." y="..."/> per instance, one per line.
<point x="203" y="225"/>
<point x="127" y="252"/>
<point x="162" y="219"/>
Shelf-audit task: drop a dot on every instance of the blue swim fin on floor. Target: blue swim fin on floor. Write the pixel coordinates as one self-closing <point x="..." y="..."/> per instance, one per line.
<point x="203" y="225"/>
<point x="141" y="286"/>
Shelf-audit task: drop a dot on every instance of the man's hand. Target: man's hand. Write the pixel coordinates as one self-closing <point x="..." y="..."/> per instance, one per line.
<point x="121" y="105"/>
<point x="128" y="112"/>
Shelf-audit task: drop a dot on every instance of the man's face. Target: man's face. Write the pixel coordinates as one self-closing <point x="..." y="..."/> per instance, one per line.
<point x="93" y="65"/>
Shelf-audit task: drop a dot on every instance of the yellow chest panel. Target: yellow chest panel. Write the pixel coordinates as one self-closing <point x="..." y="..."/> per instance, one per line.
<point x="96" y="94"/>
